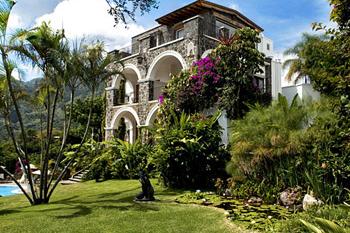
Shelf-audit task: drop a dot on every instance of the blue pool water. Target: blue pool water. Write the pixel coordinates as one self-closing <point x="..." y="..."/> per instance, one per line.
<point x="8" y="190"/>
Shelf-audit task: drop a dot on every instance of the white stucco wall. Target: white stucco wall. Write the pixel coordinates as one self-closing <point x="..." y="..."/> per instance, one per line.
<point x="304" y="91"/>
<point x="223" y="122"/>
<point x="276" y="76"/>
<point x="262" y="46"/>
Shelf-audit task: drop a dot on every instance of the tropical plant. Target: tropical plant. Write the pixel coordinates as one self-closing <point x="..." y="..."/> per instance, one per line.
<point x="239" y="61"/>
<point x="266" y="148"/>
<point x="62" y="68"/>
<point x="128" y="159"/>
<point x="295" y="65"/>
<point x="326" y="63"/>
<point x="323" y="226"/>
<point x="112" y="159"/>
<point x="7" y="68"/>
<point x="188" y="151"/>
<point x="266" y="137"/>
<point x="95" y="70"/>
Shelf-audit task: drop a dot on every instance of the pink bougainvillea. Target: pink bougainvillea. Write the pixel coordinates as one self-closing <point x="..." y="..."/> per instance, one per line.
<point x="161" y="99"/>
<point x="204" y="73"/>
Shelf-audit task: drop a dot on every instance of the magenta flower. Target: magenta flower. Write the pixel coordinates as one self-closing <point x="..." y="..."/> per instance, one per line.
<point x="204" y="74"/>
<point x="161" y="99"/>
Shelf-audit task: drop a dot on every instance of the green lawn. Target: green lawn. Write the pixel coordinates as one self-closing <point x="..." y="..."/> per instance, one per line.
<point x="109" y="207"/>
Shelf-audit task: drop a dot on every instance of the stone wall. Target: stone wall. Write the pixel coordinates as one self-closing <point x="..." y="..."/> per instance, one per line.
<point x="187" y="47"/>
<point x="199" y="36"/>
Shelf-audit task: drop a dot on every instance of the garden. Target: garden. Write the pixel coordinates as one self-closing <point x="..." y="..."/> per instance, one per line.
<point x="286" y="168"/>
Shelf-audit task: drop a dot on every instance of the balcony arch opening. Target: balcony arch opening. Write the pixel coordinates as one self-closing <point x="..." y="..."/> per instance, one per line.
<point x="162" y="68"/>
<point x="126" y="87"/>
<point x="125" y="125"/>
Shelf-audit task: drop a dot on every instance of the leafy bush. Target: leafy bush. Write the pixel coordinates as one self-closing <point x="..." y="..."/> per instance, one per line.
<point x="108" y="160"/>
<point x="188" y="151"/>
<point x="128" y="159"/>
<point x="265" y="145"/>
<point x="330" y="175"/>
<point x="286" y="146"/>
<point x="339" y="215"/>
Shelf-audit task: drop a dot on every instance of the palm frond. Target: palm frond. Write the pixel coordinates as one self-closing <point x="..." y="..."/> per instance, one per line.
<point x="311" y="227"/>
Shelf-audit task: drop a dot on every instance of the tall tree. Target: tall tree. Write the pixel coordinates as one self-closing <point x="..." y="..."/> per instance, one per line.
<point x="240" y="60"/>
<point x="295" y="65"/>
<point x="7" y="69"/>
<point x="63" y="68"/>
<point x="96" y="67"/>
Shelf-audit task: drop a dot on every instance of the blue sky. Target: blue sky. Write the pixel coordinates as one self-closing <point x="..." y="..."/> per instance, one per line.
<point x="283" y="20"/>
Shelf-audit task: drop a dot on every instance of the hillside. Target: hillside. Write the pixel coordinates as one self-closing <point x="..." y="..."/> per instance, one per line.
<point x="31" y="115"/>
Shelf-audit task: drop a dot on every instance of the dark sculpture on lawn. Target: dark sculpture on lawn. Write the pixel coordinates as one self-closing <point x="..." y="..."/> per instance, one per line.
<point x="147" y="193"/>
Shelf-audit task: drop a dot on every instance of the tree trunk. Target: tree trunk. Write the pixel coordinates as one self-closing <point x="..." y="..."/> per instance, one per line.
<point x="78" y="149"/>
<point x="19" y="115"/>
<point x="65" y="135"/>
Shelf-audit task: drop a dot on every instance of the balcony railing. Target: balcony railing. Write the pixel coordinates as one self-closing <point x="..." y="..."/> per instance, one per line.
<point x="122" y="99"/>
<point x="155" y="89"/>
<point x="129" y="50"/>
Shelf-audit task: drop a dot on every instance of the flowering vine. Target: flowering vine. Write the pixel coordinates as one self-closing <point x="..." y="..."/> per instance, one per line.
<point x="204" y="74"/>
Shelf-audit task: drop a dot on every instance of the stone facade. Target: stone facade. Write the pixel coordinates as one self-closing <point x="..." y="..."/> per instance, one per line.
<point x="162" y="50"/>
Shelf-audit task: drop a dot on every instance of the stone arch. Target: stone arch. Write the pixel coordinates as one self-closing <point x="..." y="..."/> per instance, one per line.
<point x="163" y="56"/>
<point x="127" y="67"/>
<point x="131" y="120"/>
<point x="206" y="53"/>
<point x="152" y="115"/>
<point x="160" y="70"/>
<point x="131" y="75"/>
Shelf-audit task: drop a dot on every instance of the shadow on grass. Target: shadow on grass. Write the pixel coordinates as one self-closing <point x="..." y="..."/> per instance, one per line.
<point x="82" y="206"/>
<point x="132" y="207"/>
<point x="10" y="211"/>
<point x="63" y="201"/>
<point x="81" y="211"/>
<point x="106" y="195"/>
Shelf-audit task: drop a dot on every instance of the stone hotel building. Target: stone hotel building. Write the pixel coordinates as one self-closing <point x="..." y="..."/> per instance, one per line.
<point x="182" y="37"/>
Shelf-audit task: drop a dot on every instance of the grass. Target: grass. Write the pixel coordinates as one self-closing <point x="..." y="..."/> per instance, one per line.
<point x="109" y="207"/>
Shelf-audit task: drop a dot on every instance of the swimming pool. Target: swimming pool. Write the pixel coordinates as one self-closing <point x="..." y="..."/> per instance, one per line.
<point x="8" y="190"/>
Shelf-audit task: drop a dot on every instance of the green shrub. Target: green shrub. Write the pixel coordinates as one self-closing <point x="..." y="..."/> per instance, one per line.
<point x="188" y="151"/>
<point x="127" y="159"/>
<point x="339" y="214"/>
<point x="330" y="175"/>
<point x="266" y="148"/>
<point x="287" y="146"/>
<point x="108" y="160"/>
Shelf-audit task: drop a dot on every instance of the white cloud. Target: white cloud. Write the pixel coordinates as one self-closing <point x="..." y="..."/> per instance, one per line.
<point x="15" y="21"/>
<point x="90" y="18"/>
<point x="27" y="72"/>
<point x="235" y="6"/>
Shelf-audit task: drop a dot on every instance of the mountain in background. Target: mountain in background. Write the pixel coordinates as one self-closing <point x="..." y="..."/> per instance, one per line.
<point x="31" y="115"/>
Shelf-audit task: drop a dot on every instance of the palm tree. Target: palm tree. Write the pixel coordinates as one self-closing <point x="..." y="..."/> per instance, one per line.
<point x="64" y="69"/>
<point x="8" y="66"/>
<point x="72" y="78"/>
<point x="295" y="65"/>
<point x="46" y="49"/>
<point x="96" y="66"/>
